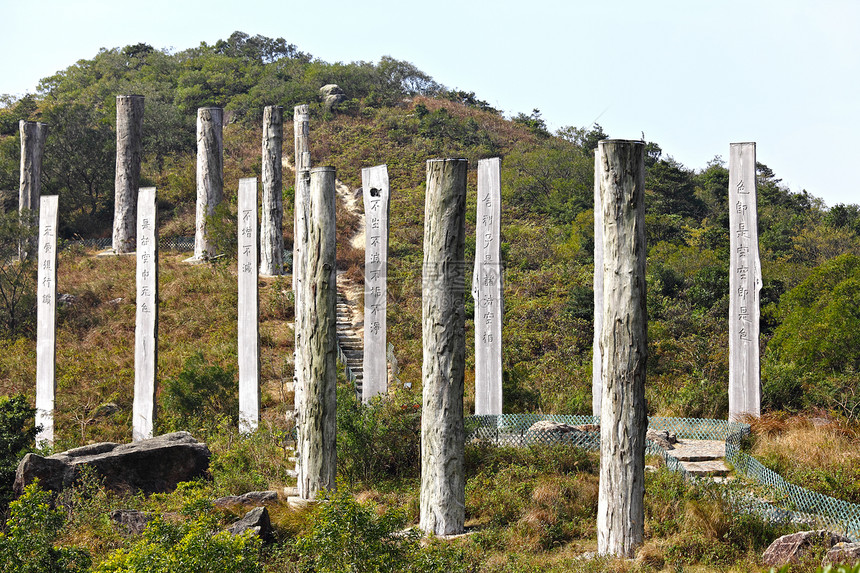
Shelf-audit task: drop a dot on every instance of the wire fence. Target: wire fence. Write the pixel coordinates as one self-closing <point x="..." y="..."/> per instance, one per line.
<point x="773" y="498"/>
<point x="179" y="244"/>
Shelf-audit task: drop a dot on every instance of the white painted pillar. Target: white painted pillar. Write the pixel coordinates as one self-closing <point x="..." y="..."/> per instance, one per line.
<point x="46" y="319"/>
<point x="375" y="191"/>
<point x="146" y="323"/>
<point x="249" y="316"/>
<point x="744" y="285"/>
<point x="487" y="289"/>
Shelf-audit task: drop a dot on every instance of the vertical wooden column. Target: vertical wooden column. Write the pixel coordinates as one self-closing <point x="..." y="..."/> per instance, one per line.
<point x="443" y="481"/>
<point x="301" y="140"/>
<point x="316" y="341"/>
<point x="744" y="285"/>
<point x="375" y="191"/>
<point x="33" y="136"/>
<point x="129" y="130"/>
<point x="624" y="345"/>
<point x="597" y="358"/>
<point x="272" y="221"/>
<point x="46" y="320"/>
<point x="487" y="289"/>
<point x="210" y="170"/>
<point x="146" y="323"/>
<point x="249" y="316"/>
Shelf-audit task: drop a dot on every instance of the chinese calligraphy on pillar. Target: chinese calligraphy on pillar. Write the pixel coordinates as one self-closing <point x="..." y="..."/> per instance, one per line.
<point x="744" y="285"/>
<point x="146" y="324"/>
<point x="375" y="189"/>
<point x="487" y="290"/>
<point x="249" y="331"/>
<point x="46" y="319"/>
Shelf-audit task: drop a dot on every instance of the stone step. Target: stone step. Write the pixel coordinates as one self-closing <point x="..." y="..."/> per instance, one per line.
<point x="698" y="450"/>
<point x="291" y="491"/>
<point x="710" y="468"/>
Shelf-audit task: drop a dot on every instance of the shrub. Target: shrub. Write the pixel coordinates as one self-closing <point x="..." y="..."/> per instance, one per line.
<point x="27" y="546"/>
<point x="17" y="434"/>
<point x="191" y="546"/>
<point x="201" y="391"/>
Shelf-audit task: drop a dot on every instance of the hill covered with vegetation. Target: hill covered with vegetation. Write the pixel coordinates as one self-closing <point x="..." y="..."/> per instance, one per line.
<point x="398" y="115"/>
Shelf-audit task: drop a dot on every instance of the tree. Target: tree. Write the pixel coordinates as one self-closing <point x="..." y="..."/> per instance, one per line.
<point x="17" y="278"/>
<point x="17" y="435"/>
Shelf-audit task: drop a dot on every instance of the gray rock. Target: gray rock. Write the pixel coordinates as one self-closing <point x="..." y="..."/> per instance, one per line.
<point x="257" y="498"/>
<point x="546" y="426"/>
<point x="256" y="520"/>
<point x="792" y="548"/>
<point x="131" y="520"/>
<point x="150" y="466"/>
<point x="663" y="439"/>
<point x="842" y="554"/>
<point x="331" y="95"/>
<point x="67" y="300"/>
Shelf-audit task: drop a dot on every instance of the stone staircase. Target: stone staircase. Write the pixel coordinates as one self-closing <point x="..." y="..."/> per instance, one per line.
<point x="702" y="458"/>
<point x="350" y="341"/>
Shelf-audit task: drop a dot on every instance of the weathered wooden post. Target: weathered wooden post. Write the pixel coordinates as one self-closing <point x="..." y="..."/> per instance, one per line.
<point x="596" y="357"/>
<point x="487" y="290"/>
<point x="33" y="136"/>
<point x="249" y="316"/>
<point x="316" y="341"/>
<point x="375" y="191"/>
<point x="129" y="129"/>
<point x="210" y="182"/>
<point x="46" y="320"/>
<point x="744" y="285"/>
<point x="272" y="223"/>
<point x="623" y="420"/>
<point x="301" y="140"/>
<point x="443" y="481"/>
<point x="146" y="323"/>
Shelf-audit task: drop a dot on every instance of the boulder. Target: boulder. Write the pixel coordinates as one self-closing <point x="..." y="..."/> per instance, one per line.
<point x="155" y="465"/>
<point x="255" y="498"/>
<point x="331" y="95"/>
<point x="256" y="520"/>
<point x="558" y="427"/>
<point x="792" y="548"/>
<point x="133" y="522"/>
<point x="842" y="554"/>
<point x="663" y="439"/>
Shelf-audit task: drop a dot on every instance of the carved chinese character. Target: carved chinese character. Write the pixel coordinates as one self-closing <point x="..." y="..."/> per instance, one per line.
<point x="46" y="299"/>
<point x="247" y="267"/>
<point x="375" y="328"/>
<point x="741" y="188"/>
<point x="741" y="207"/>
<point x="487" y="338"/>
<point x="742" y="231"/>
<point x="374" y="240"/>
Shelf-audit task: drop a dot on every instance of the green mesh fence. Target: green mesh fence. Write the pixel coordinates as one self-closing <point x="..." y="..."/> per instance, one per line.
<point x="777" y="500"/>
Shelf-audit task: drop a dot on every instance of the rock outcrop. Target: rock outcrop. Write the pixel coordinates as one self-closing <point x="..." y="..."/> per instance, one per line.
<point x="332" y="95"/>
<point x="256" y="520"/>
<point x="842" y="554"/>
<point x="155" y="465"/>
<point x="252" y="498"/>
<point x="792" y="548"/>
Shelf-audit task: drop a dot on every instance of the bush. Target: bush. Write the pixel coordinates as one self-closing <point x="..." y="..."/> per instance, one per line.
<point x="379" y="439"/>
<point x="27" y="546"/>
<point x="17" y="435"/>
<point x="191" y="546"/>
<point x="201" y="391"/>
<point x="349" y="536"/>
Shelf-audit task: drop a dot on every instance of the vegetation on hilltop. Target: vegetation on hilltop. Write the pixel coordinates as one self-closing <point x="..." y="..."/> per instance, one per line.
<point x="532" y="508"/>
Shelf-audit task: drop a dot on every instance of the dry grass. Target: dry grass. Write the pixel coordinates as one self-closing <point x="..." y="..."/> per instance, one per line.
<point x="813" y="442"/>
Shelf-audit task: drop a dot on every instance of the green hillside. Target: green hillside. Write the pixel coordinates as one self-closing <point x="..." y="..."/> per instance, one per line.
<point x="398" y="115"/>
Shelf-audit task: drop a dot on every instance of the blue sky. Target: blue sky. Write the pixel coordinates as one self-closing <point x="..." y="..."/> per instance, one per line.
<point x="691" y="75"/>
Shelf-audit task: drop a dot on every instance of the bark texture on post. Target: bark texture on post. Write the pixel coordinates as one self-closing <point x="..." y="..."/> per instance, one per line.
<point x="443" y="481"/>
<point x="623" y="420"/>
<point x="375" y="190"/>
<point x="272" y="222"/>
<point x="744" y="285"/>
<point x="301" y="140"/>
<point x="316" y="341"/>
<point x="146" y="321"/>
<point x="596" y="357"/>
<point x="33" y="136"/>
<point x="488" y="290"/>
<point x="210" y="175"/>
<point x="46" y="320"/>
<point x="129" y="130"/>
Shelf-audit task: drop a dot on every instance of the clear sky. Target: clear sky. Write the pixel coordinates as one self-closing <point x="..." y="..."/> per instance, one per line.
<point x="692" y="75"/>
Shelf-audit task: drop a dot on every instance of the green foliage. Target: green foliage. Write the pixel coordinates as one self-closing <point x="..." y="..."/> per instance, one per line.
<point x="17" y="278"/>
<point x="202" y="391"/>
<point x="350" y="536"/>
<point x="17" y="434"/>
<point x="27" y="545"/>
<point x="380" y="439"/>
<point x="189" y="546"/>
